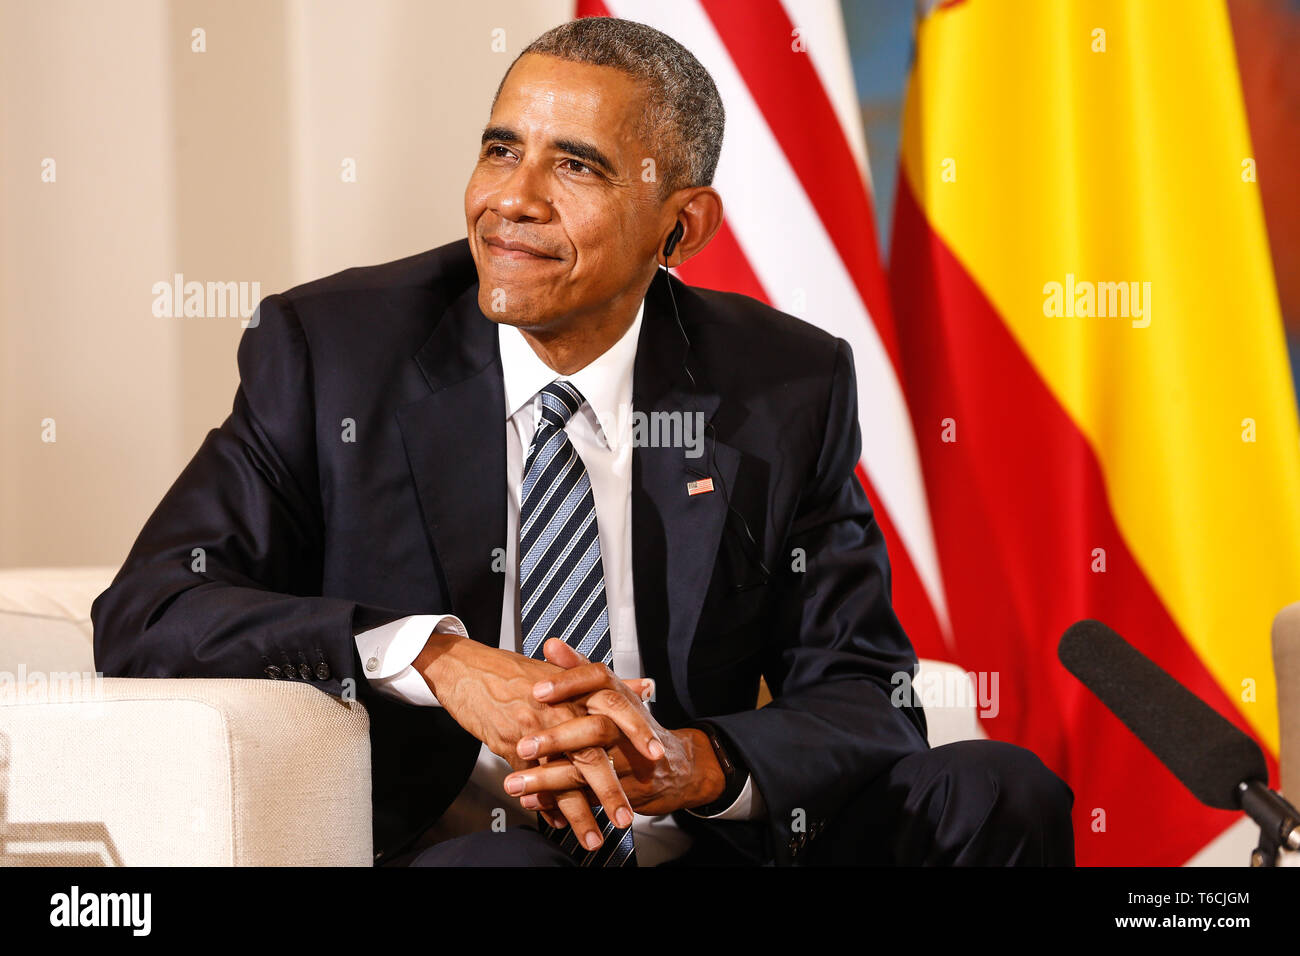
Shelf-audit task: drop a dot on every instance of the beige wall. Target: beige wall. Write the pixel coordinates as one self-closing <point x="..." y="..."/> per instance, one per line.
<point x="222" y="166"/>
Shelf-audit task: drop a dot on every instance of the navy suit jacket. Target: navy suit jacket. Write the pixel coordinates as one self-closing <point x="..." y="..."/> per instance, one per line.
<point x="309" y="538"/>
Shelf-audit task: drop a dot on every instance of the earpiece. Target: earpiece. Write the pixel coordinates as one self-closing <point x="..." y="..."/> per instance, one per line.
<point x="674" y="237"/>
<point x="708" y="425"/>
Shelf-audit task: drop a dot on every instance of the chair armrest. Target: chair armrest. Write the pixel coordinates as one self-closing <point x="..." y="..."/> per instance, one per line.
<point x="1286" y="667"/>
<point x="193" y="772"/>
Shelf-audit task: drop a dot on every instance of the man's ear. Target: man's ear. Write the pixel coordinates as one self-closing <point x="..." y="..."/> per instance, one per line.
<point x="699" y="211"/>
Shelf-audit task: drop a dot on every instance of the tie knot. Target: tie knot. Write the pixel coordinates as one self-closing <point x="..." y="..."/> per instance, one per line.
<point x="559" y="401"/>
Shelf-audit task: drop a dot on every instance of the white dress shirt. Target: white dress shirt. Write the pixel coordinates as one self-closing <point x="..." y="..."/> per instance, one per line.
<point x="601" y="432"/>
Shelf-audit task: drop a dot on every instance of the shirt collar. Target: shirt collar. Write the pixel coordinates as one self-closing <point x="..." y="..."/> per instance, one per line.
<point x="605" y="382"/>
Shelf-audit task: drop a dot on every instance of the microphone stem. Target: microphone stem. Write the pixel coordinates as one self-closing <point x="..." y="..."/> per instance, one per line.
<point x="1279" y="822"/>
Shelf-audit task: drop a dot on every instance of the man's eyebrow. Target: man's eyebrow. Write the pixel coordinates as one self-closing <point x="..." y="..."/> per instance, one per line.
<point x="503" y="133"/>
<point x="584" y="151"/>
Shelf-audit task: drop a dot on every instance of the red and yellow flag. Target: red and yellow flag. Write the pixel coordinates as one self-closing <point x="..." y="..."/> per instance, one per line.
<point x="1094" y="360"/>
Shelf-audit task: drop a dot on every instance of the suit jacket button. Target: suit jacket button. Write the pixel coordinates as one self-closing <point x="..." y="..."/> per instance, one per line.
<point x="304" y="672"/>
<point x="273" y="671"/>
<point x="322" y="671"/>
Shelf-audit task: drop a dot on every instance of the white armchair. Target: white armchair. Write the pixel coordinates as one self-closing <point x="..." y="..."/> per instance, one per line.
<point x="119" y="771"/>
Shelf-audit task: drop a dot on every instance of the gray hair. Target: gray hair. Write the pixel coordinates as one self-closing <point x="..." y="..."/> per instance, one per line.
<point x="683" y="111"/>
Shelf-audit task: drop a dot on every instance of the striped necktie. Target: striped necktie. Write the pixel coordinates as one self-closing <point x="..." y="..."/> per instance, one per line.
<point x="562" y="578"/>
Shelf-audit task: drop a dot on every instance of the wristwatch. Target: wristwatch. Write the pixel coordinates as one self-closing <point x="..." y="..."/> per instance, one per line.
<point x="734" y="772"/>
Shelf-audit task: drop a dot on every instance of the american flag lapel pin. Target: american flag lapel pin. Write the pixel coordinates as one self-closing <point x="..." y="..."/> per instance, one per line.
<point x="701" y="486"/>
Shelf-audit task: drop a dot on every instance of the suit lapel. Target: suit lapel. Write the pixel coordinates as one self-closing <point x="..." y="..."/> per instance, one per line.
<point x="675" y="535"/>
<point x="455" y="444"/>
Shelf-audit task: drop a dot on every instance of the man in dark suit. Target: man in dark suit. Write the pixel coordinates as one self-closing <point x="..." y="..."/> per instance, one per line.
<point x="345" y="525"/>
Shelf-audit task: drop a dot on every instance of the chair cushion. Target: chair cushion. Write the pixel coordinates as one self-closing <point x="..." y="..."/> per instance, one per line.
<point x="45" y="617"/>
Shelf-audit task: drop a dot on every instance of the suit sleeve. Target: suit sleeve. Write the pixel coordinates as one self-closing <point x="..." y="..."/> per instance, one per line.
<point x="225" y="578"/>
<point x="836" y="654"/>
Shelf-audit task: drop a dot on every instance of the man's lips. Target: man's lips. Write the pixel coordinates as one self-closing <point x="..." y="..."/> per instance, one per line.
<point x="512" y="249"/>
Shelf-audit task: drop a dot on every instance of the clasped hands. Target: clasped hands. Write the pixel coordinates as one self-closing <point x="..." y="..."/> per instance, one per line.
<point x="573" y="733"/>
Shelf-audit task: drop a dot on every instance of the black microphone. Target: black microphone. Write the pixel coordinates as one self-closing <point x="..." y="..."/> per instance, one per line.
<point x="1219" y="764"/>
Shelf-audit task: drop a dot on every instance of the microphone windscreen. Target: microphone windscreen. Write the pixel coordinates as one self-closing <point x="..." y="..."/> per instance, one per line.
<point x="1198" y="745"/>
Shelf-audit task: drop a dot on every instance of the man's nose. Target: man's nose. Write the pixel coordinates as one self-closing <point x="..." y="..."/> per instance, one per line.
<point x="521" y="196"/>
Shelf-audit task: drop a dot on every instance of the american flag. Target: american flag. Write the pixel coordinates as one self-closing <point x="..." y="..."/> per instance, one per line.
<point x="799" y="234"/>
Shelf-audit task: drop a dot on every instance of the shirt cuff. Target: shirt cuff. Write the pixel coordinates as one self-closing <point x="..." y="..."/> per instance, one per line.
<point x="388" y="652"/>
<point x="748" y="805"/>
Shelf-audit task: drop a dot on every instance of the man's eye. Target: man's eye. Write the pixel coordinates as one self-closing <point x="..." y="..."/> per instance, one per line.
<point x="578" y="166"/>
<point x="492" y="150"/>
